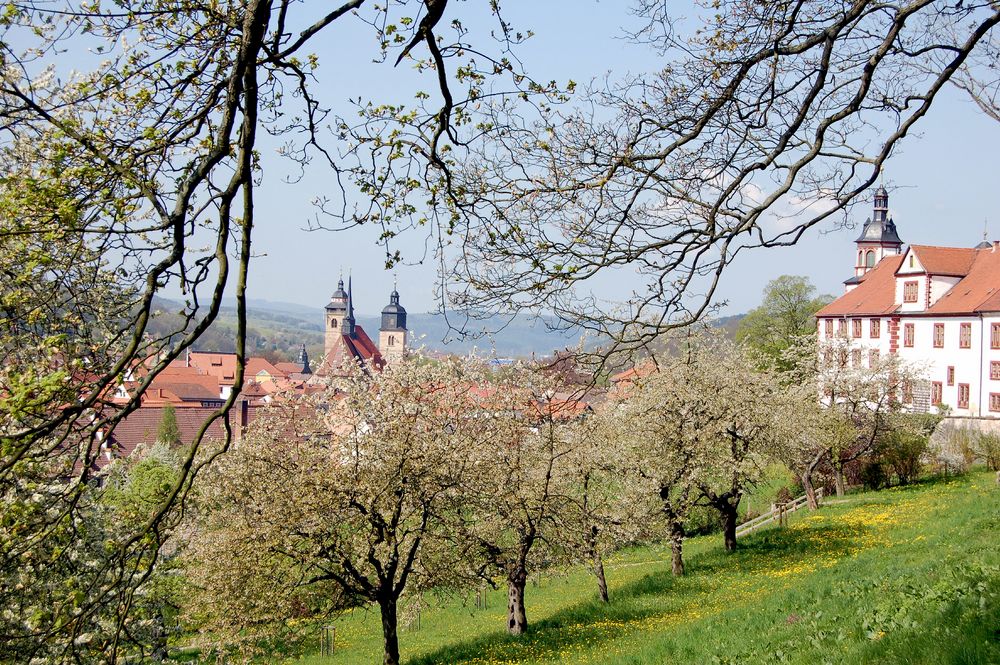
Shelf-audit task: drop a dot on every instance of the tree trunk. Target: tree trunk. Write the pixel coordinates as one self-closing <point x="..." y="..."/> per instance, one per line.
<point x="730" y="516"/>
<point x="602" y="583"/>
<point x="390" y="639"/>
<point x="838" y="474"/>
<point x="807" y="485"/>
<point x="517" y="620"/>
<point x="160" y="651"/>
<point x="677" y="550"/>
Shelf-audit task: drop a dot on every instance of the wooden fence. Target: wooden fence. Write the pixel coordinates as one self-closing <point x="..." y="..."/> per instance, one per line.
<point x="778" y="513"/>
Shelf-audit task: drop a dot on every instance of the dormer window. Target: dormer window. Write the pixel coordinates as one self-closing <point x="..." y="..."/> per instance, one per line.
<point x="910" y="290"/>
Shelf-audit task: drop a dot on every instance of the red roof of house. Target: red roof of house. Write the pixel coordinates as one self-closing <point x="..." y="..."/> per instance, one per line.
<point x="352" y="347"/>
<point x="978" y="291"/>
<point x="950" y="261"/>
<point x="639" y="371"/>
<point x="255" y="365"/>
<point x="220" y="365"/>
<point x="560" y="409"/>
<point x="875" y="295"/>
<point x="143" y="425"/>
<point x="253" y="389"/>
<point x="187" y="383"/>
<point x="289" y="368"/>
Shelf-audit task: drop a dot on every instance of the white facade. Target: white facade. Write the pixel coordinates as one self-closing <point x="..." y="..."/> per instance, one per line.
<point x="951" y="366"/>
<point x="938" y="310"/>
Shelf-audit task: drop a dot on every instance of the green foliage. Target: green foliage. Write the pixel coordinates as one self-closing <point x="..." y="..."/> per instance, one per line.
<point x="988" y="449"/>
<point x="900" y="452"/>
<point x="902" y="456"/>
<point x="873" y="475"/>
<point x="785" y="314"/>
<point x="66" y="582"/>
<point x="169" y="434"/>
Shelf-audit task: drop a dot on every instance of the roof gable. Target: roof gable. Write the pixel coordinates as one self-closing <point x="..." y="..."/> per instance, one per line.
<point x="875" y="295"/>
<point x="953" y="261"/>
<point x="352" y="347"/>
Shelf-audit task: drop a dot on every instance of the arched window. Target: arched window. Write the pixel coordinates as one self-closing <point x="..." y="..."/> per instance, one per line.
<point x="859" y="257"/>
<point x="870" y="259"/>
<point x="392" y="340"/>
<point x="333" y="323"/>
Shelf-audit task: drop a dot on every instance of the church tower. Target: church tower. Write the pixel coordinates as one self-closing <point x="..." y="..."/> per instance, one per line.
<point x="878" y="239"/>
<point x="336" y="318"/>
<point x="392" y="333"/>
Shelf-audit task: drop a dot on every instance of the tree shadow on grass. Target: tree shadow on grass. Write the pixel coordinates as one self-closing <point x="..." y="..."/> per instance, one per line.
<point x="657" y="599"/>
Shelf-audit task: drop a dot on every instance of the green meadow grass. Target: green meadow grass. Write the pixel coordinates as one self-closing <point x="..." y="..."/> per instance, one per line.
<point x="907" y="575"/>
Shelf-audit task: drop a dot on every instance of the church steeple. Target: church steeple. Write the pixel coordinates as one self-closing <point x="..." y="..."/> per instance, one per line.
<point x="878" y="238"/>
<point x="304" y="360"/>
<point x="347" y="326"/>
<point x="392" y="333"/>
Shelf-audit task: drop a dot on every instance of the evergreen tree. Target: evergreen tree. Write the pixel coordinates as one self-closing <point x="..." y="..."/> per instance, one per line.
<point x="169" y="434"/>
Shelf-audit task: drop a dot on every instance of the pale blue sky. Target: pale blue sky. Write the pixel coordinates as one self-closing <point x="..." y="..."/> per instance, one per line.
<point x="944" y="178"/>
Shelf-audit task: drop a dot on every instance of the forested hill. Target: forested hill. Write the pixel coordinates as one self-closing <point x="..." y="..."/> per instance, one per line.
<point x="277" y="330"/>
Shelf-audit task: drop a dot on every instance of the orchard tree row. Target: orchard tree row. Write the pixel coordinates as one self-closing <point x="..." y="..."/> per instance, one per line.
<point x="437" y="478"/>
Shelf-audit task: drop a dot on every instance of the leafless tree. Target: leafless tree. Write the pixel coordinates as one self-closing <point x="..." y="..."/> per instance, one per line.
<point x="757" y="112"/>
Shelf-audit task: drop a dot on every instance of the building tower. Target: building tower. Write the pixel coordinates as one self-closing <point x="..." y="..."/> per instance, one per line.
<point x="985" y="244"/>
<point x="392" y="333"/>
<point x="336" y="317"/>
<point x="304" y="360"/>
<point x="878" y="238"/>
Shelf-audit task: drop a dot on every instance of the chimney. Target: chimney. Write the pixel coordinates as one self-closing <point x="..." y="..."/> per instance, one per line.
<point x="996" y="243"/>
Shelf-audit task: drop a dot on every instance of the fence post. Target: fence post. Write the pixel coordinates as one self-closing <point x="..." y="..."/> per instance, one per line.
<point x="327" y="640"/>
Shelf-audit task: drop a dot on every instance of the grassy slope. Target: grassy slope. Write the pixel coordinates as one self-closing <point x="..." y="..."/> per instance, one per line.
<point x="903" y="576"/>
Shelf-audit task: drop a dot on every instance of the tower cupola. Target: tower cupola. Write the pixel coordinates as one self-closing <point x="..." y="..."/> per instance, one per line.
<point x="393" y="314"/>
<point x="881" y="208"/>
<point x="392" y="333"/>
<point x="878" y="238"/>
<point x="338" y="301"/>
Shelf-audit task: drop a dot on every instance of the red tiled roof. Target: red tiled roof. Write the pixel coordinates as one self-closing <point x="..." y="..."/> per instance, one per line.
<point x="256" y="365"/>
<point x="560" y="409"/>
<point x="289" y="368"/>
<point x="253" y="389"/>
<point x="978" y="291"/>
<point x="352" y="347"/>
<point x="640" y="371"/>
<point x="875" y="295"/>
<point x="187" y="383"/>
<point x="950" y="261"/>
<point x="142" y="426"/>
<point x="220" y="365"/>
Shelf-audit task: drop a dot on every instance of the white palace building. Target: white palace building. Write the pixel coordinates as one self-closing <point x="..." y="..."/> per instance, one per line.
<point x="935" y="307"/>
